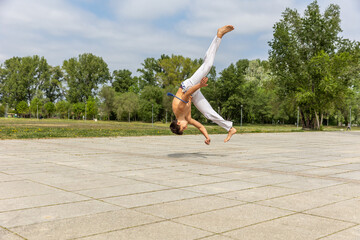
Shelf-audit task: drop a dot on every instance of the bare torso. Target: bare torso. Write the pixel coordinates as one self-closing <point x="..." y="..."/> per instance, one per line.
<point x="181" y="110"/>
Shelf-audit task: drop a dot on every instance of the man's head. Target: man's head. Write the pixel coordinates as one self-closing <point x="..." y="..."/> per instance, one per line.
<point x="178" y="127"/>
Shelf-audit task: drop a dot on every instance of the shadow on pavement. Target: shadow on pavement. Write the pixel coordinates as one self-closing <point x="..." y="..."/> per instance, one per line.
<point x="194" y="155"/>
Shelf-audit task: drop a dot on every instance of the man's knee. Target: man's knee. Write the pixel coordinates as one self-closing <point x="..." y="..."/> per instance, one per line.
<point x="211" y="116"/>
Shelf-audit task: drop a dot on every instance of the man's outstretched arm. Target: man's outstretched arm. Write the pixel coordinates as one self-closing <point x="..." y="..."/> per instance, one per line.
<point x="201" y="128"/>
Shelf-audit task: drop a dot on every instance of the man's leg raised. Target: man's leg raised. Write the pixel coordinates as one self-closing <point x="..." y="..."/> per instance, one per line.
<point x="205" y="68"/>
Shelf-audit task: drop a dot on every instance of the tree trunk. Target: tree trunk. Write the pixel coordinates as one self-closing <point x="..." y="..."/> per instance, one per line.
<point x="129" y="116"/>
<point x="303" y="118"/>
<point x="308" y="118"/>
<point x="327" y="121"/>
<point x="322" y="119"/>
<point x="317" y="126"/>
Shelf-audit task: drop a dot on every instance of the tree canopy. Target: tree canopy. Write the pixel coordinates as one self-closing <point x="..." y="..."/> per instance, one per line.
<point x="306" y="62"/>
<point x="84" y="75"/>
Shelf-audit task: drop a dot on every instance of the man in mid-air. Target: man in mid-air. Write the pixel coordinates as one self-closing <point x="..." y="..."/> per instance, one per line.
<point x="189" y="92"/>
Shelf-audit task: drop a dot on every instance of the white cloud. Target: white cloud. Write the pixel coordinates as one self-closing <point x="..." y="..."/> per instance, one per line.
<point x="248" y="17"/>
<point x="56" y="18"/>
<point x="58" y="31"/>
<point x="148" y="10"/>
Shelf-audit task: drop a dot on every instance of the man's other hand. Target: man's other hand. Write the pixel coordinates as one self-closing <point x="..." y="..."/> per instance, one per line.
<point x="203" y="82"/>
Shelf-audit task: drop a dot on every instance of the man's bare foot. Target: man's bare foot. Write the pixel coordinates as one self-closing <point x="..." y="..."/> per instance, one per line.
<point x="223" y="30"/>
<point x="231" y="132"/>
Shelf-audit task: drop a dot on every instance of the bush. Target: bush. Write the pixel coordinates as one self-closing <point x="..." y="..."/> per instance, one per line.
<point x="91" y="109"/>
<point x="49" y="109"/>
<point x="79" y="110"/>
<point x="146" y="109"/>
<point x="36" y="106"/>
<point x="63" y="108"/>
<point x="22" y="108"/>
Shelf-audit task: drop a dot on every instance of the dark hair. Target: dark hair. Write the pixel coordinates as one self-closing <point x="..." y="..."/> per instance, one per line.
<point x="175" y="128"/>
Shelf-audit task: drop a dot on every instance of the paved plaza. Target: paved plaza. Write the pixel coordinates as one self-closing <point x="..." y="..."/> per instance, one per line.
<point x="257" y="186"/>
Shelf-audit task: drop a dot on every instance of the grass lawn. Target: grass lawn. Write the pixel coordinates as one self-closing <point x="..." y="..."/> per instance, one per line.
<point x="20" y="128"/>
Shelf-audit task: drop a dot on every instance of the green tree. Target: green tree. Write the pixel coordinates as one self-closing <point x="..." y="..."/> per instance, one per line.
<point x="152" y="94"/>
<point x="11" y="92"/>
<point x="122" y="81"/>
<point x="298" y="44"/>
<point x="22" y="78"/>
<point x="36" y="107"/>
<point x="146" y="109"/>
<point x="49" y="109"/>
<point x="78" y="110"/>
<point x="257" y="93"/>
<point x="35" y="72"/>
<point x="332" y="78"/>
<point x="342" y="106"/>
<point x="91" y="108"/>
<point x="63" y="108"/>
<point x="84" y="75"/>
<point x="150" y="68"/>
<point x="176" y="69"/>
<point x="107" y="98"/>
<point x="22" y="108"/>
<point x="230" y="88"/>
<point x="52" y="88"/>
<point x="126" y="104"/>
<point x="151" y="98"/>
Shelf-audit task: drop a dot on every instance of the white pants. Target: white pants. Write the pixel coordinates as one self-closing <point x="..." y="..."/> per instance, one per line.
<point x="198" y="98"/>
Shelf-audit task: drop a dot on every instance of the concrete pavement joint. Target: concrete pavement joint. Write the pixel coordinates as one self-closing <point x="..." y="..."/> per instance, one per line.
<point x="338" y="232"/>
<point x="12" y="232"/>
<point x="116" y="230"/>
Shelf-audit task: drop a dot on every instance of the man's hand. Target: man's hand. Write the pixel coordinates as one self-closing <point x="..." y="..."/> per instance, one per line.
<point x="203" y="82"/>
<point x="207" y="141"/>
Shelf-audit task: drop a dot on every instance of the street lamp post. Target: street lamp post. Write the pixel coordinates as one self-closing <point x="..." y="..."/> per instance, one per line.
<point x="241" y="115"/>
<point x="6" y="110"/>
<point x="85" y="109"/>
<point x="327" y="122"/>
<point x="297" y="122"/>
<point x="350" y="116"/>
<point x="152" y="115"/>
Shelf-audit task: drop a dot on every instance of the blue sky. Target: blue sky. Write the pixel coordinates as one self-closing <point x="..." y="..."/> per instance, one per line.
<point x="125" y="32"/>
